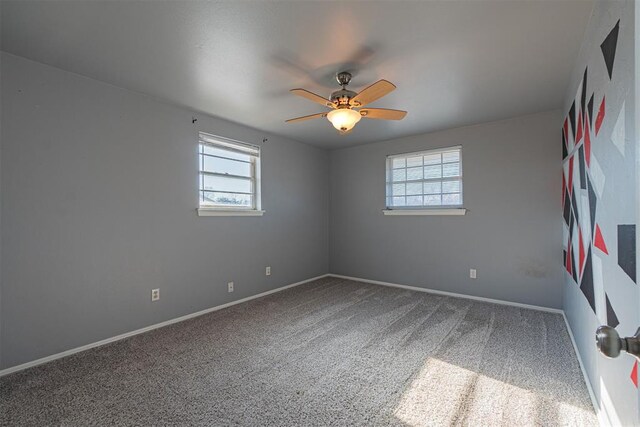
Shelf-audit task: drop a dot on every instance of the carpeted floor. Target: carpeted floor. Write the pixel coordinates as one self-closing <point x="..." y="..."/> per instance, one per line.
<point x="330" y="352"/>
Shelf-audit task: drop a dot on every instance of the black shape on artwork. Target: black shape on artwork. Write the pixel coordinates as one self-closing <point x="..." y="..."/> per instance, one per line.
<point x="593" y="201"/>
<point x="572" y="118"/>
<point x="572" y="222"/>
<point x="564" y="257"/>
<point x="608" y="48"/>
<point x="582" y="172"/>
<point x="583" y="97"/>
<point x="587" y="282"/>
<point x="627" y="249"/>
<point x="574" y="203"/>
<point x="564" y="147"/>
<point x="574" y="272"/>
<point x="612" y="319"/>
<point x="590" y="109"/>
<point x="567" y="208"/>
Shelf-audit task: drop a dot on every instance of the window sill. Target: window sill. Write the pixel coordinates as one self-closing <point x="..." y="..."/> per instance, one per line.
<point x="419" y="212"/>
<point x="222" y="212"/>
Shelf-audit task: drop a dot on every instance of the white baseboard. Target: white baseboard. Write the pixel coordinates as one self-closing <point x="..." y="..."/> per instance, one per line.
<point x="52" y="357"/>
<point x="603" y="419"/>
<point x="451" y="294"/>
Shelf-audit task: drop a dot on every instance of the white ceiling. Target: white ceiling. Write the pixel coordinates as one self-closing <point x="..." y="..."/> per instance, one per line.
<point x="454" y="62"/>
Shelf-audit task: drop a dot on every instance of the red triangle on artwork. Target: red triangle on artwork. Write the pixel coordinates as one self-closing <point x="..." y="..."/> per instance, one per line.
<point x="599" y="241"/>
<point x="569" y="258"/>
<point x="600" y="116"/>
<point x="579" y="133"/>
<point x="634" y="374"/>
<point x="587" y="146"/>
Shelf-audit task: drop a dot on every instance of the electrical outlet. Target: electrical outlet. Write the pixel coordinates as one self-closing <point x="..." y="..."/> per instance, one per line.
<point x="230" y="286"/>
<point x="155" y="294"/>
<point x="472" y="273"/>
<point x="268" y="271"/>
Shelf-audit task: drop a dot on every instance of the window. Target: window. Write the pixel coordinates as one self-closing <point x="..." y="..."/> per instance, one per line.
<point x="229" y="176"/>
<point x="427" y="179"/>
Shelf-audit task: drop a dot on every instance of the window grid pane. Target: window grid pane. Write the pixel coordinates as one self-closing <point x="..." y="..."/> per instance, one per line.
<point x="227" y="178"/>
<point x="216" y="198"/>
<point x="427" y="179"/>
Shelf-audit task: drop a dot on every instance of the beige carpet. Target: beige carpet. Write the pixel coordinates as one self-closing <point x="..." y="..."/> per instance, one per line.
<point x="330" y="352"/>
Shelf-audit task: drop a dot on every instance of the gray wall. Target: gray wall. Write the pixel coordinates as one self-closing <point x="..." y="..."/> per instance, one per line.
<point x="85" y="166"/>
<point x="509" y="235"/>
<point x="99" y="197"/>
<point x="609" y="378"/>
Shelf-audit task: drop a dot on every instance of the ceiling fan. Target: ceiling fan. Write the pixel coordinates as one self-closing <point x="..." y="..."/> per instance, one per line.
<point x="344" y="102"/>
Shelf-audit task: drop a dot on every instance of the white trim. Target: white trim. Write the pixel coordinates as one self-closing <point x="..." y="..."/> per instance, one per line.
<point x="407" y="212"/>
<point x="225" y="143"/>
<point x="228" y="212"/>
<point x="603" y="419"/>
<point x="425" y="152"/>
<point x="52" y="357"/>
<point x="450" y="294"/>
<point x="234" y="146"/>
<point x="390" y="182"/>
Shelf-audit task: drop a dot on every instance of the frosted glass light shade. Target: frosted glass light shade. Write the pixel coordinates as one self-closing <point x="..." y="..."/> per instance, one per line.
<point x="344" y="119"/>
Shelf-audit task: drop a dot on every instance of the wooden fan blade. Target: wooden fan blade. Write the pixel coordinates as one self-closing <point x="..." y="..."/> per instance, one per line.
<point x="313" y="97"/>
<point x="303" y="118"/>
<point x="373" y="92"/>
<point x="382" y="113"/>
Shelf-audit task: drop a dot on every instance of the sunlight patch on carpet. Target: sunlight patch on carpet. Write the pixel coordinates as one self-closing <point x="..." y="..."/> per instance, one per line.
<point x="446" y="394"/>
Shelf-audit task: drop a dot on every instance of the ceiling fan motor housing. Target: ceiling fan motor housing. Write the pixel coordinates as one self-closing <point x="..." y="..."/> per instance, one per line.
<point x="342" y="97"/>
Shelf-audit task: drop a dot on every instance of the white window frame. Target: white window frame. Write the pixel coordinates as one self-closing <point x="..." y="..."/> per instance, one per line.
<point x="230" y="145"/>
<point x="456" y="209"/>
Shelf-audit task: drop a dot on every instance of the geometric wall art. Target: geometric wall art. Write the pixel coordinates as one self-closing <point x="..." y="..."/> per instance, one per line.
<point x="609" y="46"/>
<point x="594" y="141"/>
<point x="583" y="185"/>
<point x="599" y="202"/>
<point x="612" y="319"/>
<point x="627" y="249"/>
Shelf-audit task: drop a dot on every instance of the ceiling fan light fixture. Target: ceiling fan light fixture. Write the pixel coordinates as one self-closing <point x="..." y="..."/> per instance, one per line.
<point x="344" y="119"/>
